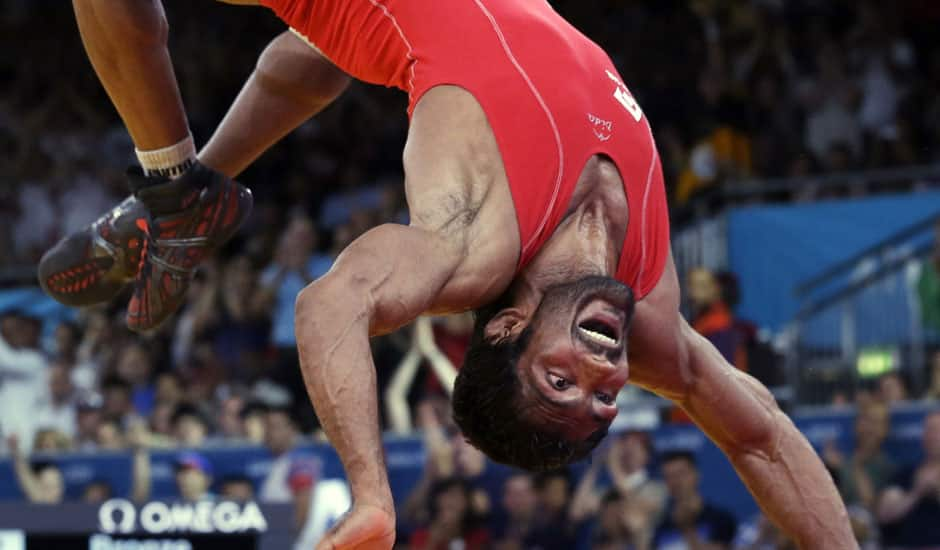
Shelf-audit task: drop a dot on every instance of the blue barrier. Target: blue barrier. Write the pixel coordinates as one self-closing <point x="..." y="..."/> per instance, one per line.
<point x="405" y="458"/>
<point x="772" y="249"/>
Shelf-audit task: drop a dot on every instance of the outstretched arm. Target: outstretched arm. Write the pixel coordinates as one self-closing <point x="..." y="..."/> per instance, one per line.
<point x="776" y="462"/>
<point x="383" y="280"/>
<point x="740" y="415"/>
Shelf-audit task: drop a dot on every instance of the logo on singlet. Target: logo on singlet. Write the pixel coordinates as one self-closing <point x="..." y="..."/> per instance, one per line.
<point x="602" y="129"/>
<point x="625" y="98"/>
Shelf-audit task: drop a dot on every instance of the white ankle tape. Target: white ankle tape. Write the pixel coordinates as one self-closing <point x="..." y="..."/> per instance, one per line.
<point x="170" y="161"/>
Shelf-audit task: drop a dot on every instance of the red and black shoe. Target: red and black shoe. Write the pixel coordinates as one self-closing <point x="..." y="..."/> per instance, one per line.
<point x="93" y="265"/>
<point x="191" y="217"/>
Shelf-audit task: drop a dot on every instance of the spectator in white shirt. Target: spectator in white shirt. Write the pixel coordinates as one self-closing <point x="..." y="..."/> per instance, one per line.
<point x="57" y="408"/>
<point x="22" y="376"/>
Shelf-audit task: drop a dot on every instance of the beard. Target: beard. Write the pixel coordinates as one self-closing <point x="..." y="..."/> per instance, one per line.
<point x="574" y="295"/>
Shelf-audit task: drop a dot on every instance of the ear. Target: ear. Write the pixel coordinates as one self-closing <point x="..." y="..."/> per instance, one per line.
<point x="506" y="325"/>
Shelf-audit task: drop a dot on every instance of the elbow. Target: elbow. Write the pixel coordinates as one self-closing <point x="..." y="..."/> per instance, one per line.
<point x="320" y="307"/>
<point x="308" y="301"/>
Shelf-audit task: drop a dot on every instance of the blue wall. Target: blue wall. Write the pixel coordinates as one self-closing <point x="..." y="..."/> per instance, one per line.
<point x="405" y="458"/>
<point x="774" y="248"/>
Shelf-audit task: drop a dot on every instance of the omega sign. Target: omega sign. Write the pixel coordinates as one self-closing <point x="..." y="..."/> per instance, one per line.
<point x="121" y="516"/>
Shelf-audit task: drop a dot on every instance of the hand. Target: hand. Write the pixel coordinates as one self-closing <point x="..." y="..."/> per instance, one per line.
<point x="138" y="436"/>
<point x="364" y="527"/>
<point x="927" y="480"/>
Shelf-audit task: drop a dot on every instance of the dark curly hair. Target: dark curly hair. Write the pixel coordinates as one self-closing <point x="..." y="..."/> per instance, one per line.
<point x="488" y="405"/>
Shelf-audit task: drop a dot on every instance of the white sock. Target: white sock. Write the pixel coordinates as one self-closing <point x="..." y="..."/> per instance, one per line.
<point x="170" y="162"/>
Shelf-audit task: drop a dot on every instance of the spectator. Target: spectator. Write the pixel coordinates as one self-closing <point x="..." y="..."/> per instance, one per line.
<point x="232" y="315"/>
<point x="135" y="367"/>
<point x="190" y="427"/>
<point x="891" y="389"/>
<point x="712" y="317"/>
<point x="452" y="523"/>
<point x="230" y="421"/>
<point x="297" y="478"/>
<point x="67" y="337"/>
<point x="238" y="488"/>
<point x="909" y="507"/>
<point x="252" y="419"/>
<point x="296" y="263"/>
<point x="22" y="375"/>
<point x="689" y="520"/>
<point x="97" y="491"/>
<point x="519" y="502"/>
<point x="50" y="440"/>
<point x="552" y="530"/>
<point x="862" y="477"/>
<point x="57" y="407"/>
<point x="109" y="435"/>
<point x="41" y="482"/>
<point x="280" y="438"/>
<point x="450" y="456"/>
<point x="117" y="398"/>
<point x="619" y="525"/>
<point x="627" y="462"/>
<point x="88" y="418"/>
<point x="193" y="471"/>
<point x="193" y="476"/>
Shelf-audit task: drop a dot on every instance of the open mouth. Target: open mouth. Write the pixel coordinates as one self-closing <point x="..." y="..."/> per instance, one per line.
<point x="600" y="329"/>
<point x="599" y="332"/>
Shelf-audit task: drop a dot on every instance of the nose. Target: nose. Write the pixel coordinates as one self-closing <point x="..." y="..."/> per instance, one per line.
<point x="604" y="412"/>
<point x="606" y="375"/>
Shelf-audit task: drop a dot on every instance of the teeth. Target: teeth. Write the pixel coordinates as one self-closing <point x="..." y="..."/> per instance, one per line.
<point x="598" y="337"/>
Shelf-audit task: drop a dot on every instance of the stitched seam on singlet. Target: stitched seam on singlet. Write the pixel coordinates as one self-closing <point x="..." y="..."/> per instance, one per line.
<point x="410" y="55"/>
<point x="646" y="196"/>
<point x="548" y="113"/>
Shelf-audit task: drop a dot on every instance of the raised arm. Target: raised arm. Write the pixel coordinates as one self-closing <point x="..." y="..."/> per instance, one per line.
<point x="29" y="484"/>
<point x="384" y="280"/>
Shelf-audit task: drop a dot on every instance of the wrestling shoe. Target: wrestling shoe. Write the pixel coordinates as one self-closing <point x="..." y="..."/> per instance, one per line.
<point x="190" y="218"/>
<point x="92" y="265"/>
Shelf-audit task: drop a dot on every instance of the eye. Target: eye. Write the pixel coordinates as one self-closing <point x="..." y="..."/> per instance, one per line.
<point x="558" y="382"/>
<point x="604" y="398"/>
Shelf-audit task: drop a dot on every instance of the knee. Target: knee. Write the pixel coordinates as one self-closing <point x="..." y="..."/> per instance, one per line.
<point x="292" y="68"/>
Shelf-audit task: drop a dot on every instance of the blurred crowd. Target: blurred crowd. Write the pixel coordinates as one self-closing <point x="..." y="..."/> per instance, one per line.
<point x="735" y="90"/>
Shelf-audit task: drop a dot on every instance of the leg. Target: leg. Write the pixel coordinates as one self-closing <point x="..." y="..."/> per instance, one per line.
<point x="775" y="461"/>
<point x="291" y="83"/>
<point x="122" y="38"/>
